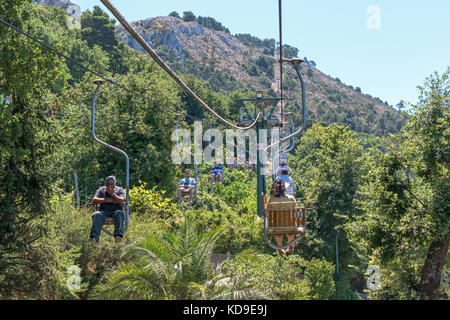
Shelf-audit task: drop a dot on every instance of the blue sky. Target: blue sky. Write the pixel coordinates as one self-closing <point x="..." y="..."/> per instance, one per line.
<point x="387" y="52"/>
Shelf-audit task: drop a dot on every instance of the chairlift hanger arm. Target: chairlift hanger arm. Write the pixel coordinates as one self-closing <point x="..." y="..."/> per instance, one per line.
<point x="99" y="83"/>
<point x="296" y="64"/>
<point x="292" y="143"/>
<point x="179" y="116"/>
<point x="176" y="134"/>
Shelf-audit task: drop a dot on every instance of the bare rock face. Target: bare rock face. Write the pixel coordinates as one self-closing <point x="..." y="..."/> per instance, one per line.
<point x="184" y="38"/>
<point x="72" y="10"/>
<point x="55" y="3"/>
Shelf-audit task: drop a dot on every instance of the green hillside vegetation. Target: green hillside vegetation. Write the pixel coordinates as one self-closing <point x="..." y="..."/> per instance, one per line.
<point x="246" y="63"/>
<point x="330" y="100"/>
<point x="376" y="199"/>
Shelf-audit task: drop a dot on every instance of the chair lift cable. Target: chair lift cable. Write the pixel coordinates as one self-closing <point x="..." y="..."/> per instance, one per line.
<point x="78" y="64"/>
<point x="166" y="68"/>
<point x="296" y="63"/>
<point x="152" y="53"/>
<point x="63" y="55"/>
<point x="280" y="17"/>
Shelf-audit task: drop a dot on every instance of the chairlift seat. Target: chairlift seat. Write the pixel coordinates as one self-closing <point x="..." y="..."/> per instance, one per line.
<point x="185" y="190"/>
<point x="245" y="122"/>
<point x="185" y="193"/>
<point x="274" y="122"/>
<point x="109" y="221"/>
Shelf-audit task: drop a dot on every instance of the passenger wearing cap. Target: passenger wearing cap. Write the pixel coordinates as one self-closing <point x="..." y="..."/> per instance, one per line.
<point x="283" y="173"/>
<point x="186" y="185"/>
<point x="111" y="199"/>
<point x="283" y="169"/>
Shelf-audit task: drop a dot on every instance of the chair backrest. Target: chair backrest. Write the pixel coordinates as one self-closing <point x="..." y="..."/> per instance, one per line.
<point x="282" y="219"/>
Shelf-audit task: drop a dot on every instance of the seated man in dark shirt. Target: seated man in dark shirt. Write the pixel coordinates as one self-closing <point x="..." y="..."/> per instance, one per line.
<point x="111" y="199"/>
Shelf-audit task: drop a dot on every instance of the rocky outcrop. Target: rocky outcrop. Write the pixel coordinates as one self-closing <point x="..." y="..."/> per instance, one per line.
<point x="56" y="3"/>
<point x="72" y="10"/>
<point x="185" y="38"/>
<point x="191" y="44"/>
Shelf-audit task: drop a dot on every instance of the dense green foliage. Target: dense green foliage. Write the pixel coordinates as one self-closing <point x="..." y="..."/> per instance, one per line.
<point x="27" y="141"/>
<point x="405" y="200"/>
<point x="381" y="201"/>
<point x="327" y="168"/>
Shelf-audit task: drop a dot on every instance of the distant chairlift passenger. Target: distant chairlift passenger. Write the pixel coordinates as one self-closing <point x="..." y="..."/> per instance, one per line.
<point x="216" y="173"/>
<point x="283" y="173"/>
<point x="186" y="187"/>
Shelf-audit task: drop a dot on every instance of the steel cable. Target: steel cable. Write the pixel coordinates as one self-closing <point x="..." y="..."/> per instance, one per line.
<point x="165" y="67"/>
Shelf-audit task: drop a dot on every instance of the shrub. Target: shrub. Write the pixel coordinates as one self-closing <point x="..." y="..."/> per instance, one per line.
<point x="243" y="230"/>
<point x="150" y="202"/>
<point x="319" y="274"/>
<point x="56" y="251"/>
<point x="287" y="277"/>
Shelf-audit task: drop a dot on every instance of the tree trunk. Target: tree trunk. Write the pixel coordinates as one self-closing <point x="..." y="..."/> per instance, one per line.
<point x="430" y="277"/>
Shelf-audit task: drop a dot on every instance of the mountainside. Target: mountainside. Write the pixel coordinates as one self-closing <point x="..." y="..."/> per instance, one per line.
<point x="190" y="43"/>
<point x="246" y="63"/>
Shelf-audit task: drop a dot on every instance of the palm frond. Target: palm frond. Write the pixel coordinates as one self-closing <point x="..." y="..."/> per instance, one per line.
<point x="129" y="282"/>
<point x="176" y="266"/>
